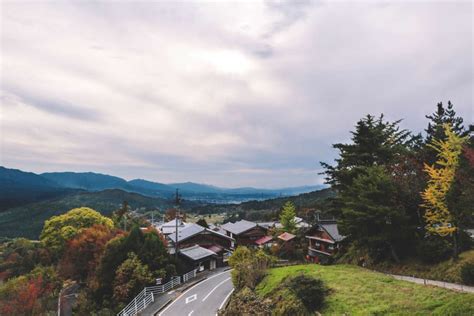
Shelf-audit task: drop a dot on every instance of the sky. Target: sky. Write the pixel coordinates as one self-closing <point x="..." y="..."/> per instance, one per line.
<point x="249" y="93"/>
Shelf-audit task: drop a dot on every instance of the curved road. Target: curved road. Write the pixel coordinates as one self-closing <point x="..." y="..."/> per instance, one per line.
<point x="203" y="299"/>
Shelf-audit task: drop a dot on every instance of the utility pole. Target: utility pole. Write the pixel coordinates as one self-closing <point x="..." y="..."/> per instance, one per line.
<point x="177" y="201"/>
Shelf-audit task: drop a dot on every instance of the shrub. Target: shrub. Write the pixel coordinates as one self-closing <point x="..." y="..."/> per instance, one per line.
<point x="434" y="249"/>
<point x="309" y="290"/>
<point x="246" y="302"/>
<point x="287" y="303"/>
<point x="467" y="273"/>
<point x="249" y="266"/>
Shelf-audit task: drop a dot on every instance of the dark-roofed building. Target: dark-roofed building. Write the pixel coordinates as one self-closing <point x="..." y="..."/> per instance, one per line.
<point x="199" y="257"/>
<point x="244" y="232"/>
<point x="323" y="241"/>
<point x="190" y="234"/>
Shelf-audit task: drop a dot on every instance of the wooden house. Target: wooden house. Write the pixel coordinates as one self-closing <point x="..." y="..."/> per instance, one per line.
<point x="244" y="232"/>
<point x="323" y="241"/>
<point x="191" y="235"/>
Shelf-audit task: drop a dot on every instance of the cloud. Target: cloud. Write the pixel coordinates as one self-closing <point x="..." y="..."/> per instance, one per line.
<point x="233" y="94"/>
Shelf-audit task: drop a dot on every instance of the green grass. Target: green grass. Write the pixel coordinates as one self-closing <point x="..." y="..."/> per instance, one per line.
<point x="449" y="270"/>
<point x="357" y="291"/>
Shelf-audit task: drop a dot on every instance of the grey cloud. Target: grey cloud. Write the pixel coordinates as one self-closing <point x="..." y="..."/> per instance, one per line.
<point x="272" y="90"/>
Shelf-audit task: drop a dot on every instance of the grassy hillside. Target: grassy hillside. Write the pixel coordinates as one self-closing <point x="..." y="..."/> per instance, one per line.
<point x="449" y="270"/>
<point x="27" y="220"/>
<point x="357" y="291"/>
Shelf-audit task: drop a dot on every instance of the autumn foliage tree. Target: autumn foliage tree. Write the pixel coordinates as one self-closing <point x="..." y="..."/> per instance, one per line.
<point x="130" y="278"/>
<point x="83" y="252"/>
<point x="439" y="218"/>
<point x="59" y="229"/>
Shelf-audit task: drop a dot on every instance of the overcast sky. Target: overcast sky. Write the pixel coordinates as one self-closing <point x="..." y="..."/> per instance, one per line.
<point x="225" y="93"/>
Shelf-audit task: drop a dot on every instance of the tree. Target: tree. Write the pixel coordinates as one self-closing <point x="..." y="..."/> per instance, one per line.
<point x="287" y="217"/>
<point x="34" y="293"/>
<point x="372" y="215"/>
<point x="249" y="266"/>
<point x="59" y="229"/>
<point x="149" y="248"/>
<point x="374" y="142"/>
<point x="130" y="278"/>
<point x="439" y="118"/>
<point x="83" y="252"/>
<point x="369" y="204"/>
<point x="439" y="219"/>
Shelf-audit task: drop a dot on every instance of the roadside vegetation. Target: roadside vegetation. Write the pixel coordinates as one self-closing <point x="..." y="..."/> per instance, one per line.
<point x="353" y="290"/>
<point x="111" y="259"/>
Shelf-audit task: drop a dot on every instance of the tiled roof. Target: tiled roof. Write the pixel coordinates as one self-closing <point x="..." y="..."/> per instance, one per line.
<point x="188" y="230"/>
<point x="332" y="230"/>
<point x="238" y="227"/>
<point x="263" y="240"/>
<point x="185" y="232"/>
<point x="286" y="236"/>
<point x="196" y="252"/>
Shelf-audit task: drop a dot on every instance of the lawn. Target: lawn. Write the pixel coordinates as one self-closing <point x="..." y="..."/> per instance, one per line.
<point x="357" y="291"/>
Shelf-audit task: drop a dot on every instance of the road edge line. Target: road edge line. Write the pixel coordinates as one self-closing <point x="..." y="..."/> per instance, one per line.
<point x="164" y="308"/>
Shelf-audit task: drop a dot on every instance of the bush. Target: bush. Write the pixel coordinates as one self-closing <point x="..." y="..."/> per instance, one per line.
<point x="434" y="249"/>
<point x="249" y="266"/>
<point x="467" y="273"/>
<point x="309" y="290"/>
<point x="246" y="302"/>
<point x="287" y="303"/>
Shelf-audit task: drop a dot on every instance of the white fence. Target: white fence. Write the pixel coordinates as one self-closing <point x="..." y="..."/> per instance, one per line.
<point x="147" y="295"/>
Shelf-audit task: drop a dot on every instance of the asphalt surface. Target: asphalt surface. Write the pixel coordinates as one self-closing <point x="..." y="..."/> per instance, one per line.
<point x="202" y="299"/>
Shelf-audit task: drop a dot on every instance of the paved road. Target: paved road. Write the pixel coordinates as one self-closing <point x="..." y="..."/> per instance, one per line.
<point x="203" y="299"/>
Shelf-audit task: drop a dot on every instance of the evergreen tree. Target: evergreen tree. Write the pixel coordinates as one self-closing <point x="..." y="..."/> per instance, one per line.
<point x="435" y="129"/>
<point x="369" y="202"/>
<point x="287" y="217"/>
<point x="374" y="142"/>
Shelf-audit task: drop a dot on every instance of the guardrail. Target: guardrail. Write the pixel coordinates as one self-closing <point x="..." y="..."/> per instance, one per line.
<point x="147" y="295"/>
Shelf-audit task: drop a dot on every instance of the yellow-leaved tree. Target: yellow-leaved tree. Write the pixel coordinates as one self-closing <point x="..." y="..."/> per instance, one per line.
<point x="439" y="219"/>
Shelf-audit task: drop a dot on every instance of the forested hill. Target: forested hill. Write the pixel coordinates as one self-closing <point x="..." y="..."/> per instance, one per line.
<point x="305" y="200"/>
<point x="27" y="220"/>
<point x="267" y="209"/>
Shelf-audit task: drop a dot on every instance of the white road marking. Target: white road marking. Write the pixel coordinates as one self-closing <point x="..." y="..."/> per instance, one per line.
<point x="191" y="298"/>
<point x="215" y="289"/>
<point x="190" y="313"/>
<point x="160" y="314"/>
<point x="225" y="300"/>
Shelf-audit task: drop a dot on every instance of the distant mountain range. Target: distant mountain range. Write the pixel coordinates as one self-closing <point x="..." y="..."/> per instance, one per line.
<point x="18" y="187"/>
<point x="28" y="199"/>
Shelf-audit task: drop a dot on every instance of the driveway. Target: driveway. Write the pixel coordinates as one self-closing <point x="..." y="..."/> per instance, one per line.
<point x="203" y="299"/>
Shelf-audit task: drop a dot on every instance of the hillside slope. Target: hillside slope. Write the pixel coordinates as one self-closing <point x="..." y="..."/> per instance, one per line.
<point x="27" y="220"/>
<point x="357" y="291"/>
<point x="18" y="187"/>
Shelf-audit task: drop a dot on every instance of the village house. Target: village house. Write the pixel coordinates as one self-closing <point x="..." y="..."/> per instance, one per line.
<point x="244" y="232"/>
<point x="200" y="247"/>
<point x="323" y="241"/>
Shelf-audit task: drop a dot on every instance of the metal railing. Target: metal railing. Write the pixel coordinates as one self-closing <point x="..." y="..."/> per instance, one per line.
<point x="147" y="295"/>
